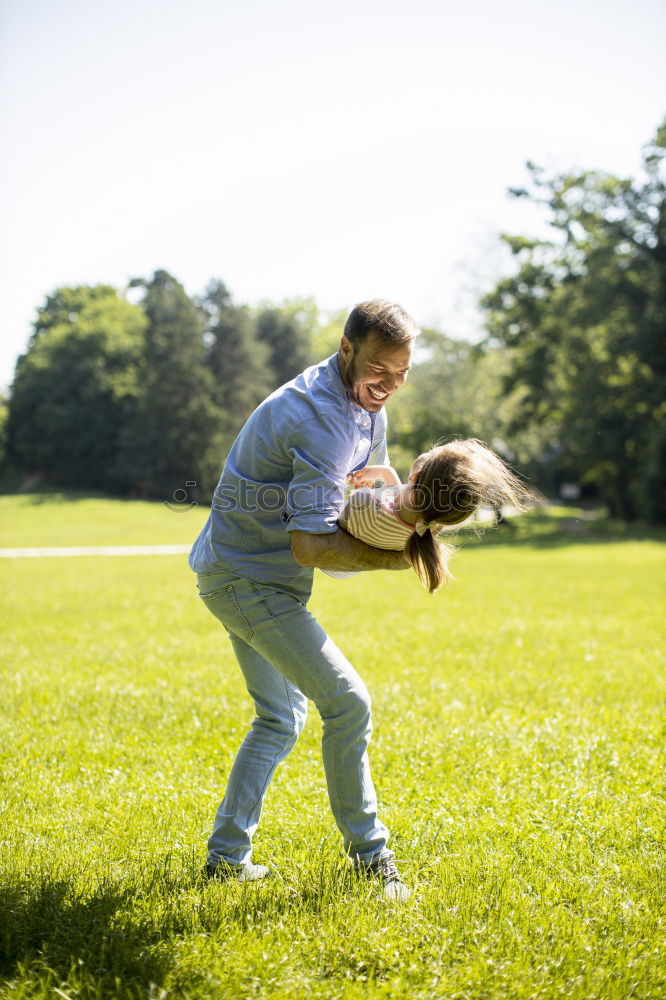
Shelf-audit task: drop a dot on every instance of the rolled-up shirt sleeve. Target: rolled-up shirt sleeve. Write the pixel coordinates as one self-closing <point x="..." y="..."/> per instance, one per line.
<point x="316" y="493"/>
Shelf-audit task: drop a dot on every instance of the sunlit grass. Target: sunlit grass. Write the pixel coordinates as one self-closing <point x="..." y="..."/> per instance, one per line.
<point x="518" y="753"/>
<point x="60" y="519"/>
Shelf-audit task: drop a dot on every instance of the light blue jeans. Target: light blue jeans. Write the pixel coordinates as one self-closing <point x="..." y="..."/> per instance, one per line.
<point x="286" y="658"/>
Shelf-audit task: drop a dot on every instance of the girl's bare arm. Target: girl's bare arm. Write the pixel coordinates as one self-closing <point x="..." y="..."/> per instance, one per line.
<point x="374" y="473"/>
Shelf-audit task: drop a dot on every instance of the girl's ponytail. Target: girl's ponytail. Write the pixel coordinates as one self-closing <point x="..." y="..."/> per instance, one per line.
<point x="429" y="559"/>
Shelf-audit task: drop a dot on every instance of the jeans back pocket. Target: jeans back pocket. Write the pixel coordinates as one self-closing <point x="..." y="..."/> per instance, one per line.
<point x="223" y="604"/>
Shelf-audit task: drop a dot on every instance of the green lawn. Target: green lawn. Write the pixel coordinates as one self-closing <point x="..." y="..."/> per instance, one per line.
<point x="518" y="753"/>
<point x="54" y="519"/>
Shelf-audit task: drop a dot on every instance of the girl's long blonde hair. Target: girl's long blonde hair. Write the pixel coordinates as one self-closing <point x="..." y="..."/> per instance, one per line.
<point x="451" y="481"/>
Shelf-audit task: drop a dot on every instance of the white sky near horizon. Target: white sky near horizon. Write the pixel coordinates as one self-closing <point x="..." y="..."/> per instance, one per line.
<point x="341" y="151"/>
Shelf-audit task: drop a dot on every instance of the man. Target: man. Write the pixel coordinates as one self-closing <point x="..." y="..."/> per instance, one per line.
<point x="274" y="518"/>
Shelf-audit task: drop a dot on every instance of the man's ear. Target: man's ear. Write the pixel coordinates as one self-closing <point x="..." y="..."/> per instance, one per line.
<point x="346" y="348"/>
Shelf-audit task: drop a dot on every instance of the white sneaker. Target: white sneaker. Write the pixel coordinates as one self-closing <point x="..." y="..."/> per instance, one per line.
<point x="240" y="873"/>
<point x="392" y="885"/>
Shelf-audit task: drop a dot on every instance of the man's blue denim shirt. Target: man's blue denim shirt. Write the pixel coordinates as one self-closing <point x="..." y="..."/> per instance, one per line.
<point x="287" y="471"/>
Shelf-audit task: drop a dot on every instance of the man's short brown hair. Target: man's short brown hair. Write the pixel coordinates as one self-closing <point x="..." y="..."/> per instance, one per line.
<point x="387" y="319"/>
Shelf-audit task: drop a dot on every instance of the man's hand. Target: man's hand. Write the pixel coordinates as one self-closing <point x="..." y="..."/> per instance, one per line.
<point x="372" y="474"/>
<point x="339" y="550"/>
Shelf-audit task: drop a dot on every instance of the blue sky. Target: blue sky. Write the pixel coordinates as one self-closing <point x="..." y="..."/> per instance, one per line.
<point x="340" y="151"/>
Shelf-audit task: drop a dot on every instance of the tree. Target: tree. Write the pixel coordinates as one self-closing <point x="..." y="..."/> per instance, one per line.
<point x="327" y="333"/>
<point x="583" y="321"/>
<point x="238" y="359"/>
<point x="176" y="434"/>
<point x="76" y="386"/>
<point x="4" y="416"/>
<point x="286" y="331"/>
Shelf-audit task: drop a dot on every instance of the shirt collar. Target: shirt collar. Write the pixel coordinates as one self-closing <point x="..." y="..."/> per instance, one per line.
<point x="336" y="378"/>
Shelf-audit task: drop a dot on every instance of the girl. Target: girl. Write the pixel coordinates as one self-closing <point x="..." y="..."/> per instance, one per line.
<point x="445" y="486"/>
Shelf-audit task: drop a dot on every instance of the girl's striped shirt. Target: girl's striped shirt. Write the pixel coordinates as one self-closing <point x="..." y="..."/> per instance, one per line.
<point x="370" y="516"/>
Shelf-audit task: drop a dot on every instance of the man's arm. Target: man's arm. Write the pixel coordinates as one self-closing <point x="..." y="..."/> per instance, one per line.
<point x="341" y="551"/>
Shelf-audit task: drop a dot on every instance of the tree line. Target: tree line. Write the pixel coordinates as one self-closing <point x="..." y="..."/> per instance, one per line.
<point x="137" y="398"/>
<point x="141" y="391"/>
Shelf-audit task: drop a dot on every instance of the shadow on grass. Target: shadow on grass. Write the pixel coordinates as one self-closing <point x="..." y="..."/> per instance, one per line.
<point x="39" y="489"/>
<point x="117" y="940"/>
<point x="36" y="498"/>
<point x="542" y="531"/>
<point x="49" y="933"/>
<point x="66" y="496"/>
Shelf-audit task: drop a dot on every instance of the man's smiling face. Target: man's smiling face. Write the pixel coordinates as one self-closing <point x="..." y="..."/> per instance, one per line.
<point x="373" y="370"/>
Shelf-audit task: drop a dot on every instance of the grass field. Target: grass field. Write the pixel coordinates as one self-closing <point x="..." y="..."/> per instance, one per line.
<point x="518" y="754"/>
